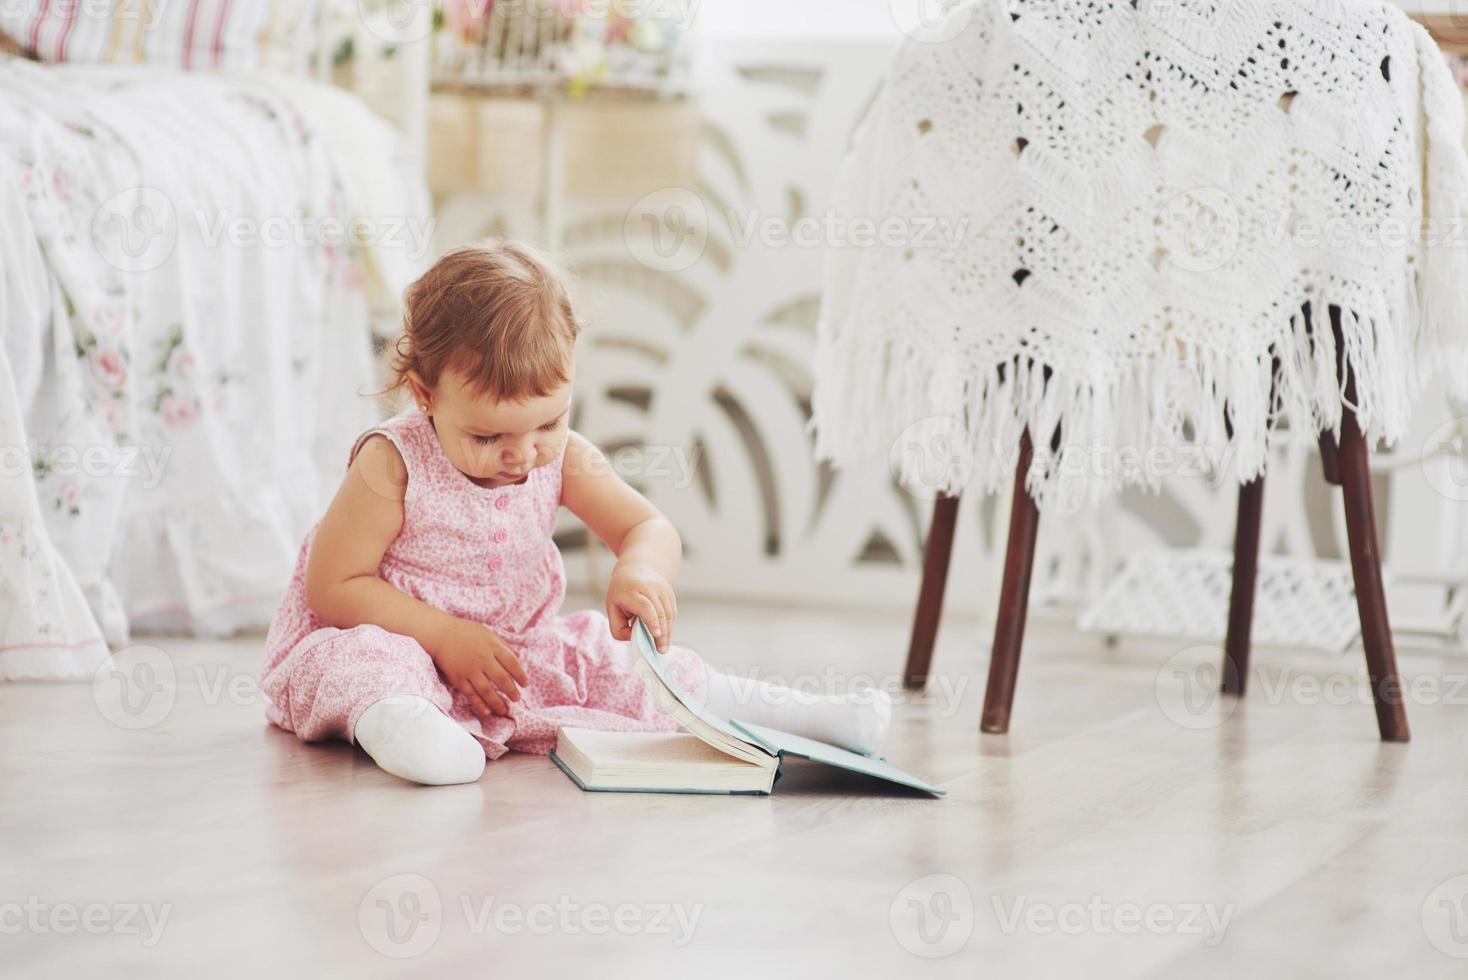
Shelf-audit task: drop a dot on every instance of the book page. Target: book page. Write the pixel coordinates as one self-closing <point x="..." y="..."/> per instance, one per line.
<point x="710" y="728"/>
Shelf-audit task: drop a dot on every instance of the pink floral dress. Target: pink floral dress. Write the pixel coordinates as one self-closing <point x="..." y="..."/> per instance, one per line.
<point x="481" y="554"/>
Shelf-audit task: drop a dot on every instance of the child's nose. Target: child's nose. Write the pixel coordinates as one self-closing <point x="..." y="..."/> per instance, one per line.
<point x="520" y="451"/>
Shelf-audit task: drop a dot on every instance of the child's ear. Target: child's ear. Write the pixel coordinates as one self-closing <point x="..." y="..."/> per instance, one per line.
<point x="421" y="394"/>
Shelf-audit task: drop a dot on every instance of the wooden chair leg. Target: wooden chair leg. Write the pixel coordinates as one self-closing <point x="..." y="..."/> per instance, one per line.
<point x="1014" y="599"/>
<point x="1330" y="459"/>
<point x="1245" y="585"/>
<point x="936" y="556"/>
<point x="1376" y="633"/>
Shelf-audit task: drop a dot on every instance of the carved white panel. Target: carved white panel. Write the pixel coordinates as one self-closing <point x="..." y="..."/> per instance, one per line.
<point x="695" y="376"/>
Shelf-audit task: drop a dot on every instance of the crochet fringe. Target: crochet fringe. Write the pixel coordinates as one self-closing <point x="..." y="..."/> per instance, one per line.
<point x="948" y="424"/>
<point x="1159" y="418"/>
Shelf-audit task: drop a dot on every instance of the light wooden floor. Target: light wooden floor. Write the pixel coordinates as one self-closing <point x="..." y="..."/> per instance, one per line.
<point x="1330" y="854"/>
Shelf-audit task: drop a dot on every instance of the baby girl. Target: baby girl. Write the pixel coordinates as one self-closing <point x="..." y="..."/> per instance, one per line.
<point x="423" y="622"/>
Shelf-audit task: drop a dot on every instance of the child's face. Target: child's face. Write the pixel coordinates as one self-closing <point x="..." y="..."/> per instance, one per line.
<point x="496" y="443"/>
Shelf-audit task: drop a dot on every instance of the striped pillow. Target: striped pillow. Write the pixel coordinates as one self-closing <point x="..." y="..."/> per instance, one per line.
<point x="231" y="34"/>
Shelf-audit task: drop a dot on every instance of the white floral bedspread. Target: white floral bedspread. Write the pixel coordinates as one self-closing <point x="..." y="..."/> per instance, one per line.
<point x="186" y="269"/>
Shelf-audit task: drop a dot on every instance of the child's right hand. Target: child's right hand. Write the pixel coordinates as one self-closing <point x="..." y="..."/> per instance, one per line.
<point x="478" y="664"/>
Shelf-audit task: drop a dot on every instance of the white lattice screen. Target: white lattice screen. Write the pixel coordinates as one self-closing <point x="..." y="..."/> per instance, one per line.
<point x="710" y="365"/>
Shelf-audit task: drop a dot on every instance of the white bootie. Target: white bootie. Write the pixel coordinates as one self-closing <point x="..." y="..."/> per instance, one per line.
<point x="873" y="719"/>
<point x="409" y="737"/>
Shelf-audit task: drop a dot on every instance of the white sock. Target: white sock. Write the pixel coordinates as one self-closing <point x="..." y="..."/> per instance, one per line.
<point x="857" y="721"/>
<point x="409" y="737"/>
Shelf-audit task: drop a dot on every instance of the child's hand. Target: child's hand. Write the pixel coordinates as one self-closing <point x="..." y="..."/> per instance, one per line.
<point x="641" y="591"/>
<point x="478" y="664"/>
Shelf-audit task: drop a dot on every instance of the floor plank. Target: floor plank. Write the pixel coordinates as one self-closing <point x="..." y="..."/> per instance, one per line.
<point x="1117" y="832"/>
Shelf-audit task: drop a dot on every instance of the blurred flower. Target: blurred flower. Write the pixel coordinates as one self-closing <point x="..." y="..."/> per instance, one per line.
<point x="177" y="411"/>
<point x="109" y="367"/>
<point x="181" y="363"/>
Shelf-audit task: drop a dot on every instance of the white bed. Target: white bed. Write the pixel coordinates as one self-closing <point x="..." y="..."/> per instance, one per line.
<point x="185" y="334"/>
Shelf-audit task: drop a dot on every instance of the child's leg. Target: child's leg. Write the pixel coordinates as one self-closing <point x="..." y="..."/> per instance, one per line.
<point x="382" y="691"/>
<point x="857" y="721"/>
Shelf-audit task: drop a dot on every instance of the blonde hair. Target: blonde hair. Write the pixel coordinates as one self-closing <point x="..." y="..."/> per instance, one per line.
<point x="497" y="313"/>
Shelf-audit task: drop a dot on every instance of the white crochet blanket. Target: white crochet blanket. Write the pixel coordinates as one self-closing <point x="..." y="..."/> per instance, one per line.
<point x="1139" y="201"/>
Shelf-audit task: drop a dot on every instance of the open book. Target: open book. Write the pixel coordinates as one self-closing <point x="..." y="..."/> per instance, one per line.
<point x="716" y="755"/>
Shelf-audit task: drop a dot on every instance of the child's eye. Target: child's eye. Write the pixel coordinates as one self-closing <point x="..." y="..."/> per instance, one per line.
<point x="485" y="440"/>
<point x="551" y="426"/>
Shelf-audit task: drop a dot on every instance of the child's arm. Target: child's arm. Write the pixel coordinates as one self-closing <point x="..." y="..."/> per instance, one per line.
<point x="343" y="588"/>
<point x="647" y="546"/>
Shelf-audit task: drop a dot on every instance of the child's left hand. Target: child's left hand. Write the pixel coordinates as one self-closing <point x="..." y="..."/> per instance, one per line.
<point x="641" y="591"/>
